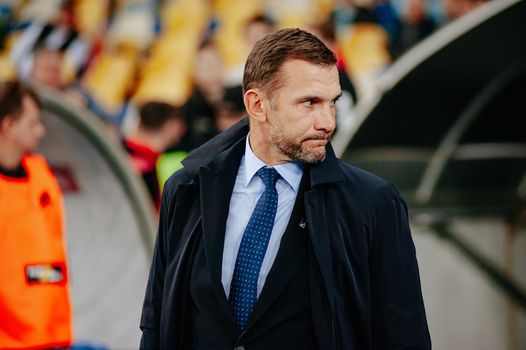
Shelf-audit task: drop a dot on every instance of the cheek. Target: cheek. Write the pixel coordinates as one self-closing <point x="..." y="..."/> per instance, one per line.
<point x="303" y="127"/>
<point x="298" y="121"/>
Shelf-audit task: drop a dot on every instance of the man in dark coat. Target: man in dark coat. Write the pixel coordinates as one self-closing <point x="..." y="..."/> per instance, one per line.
<point x="336" y="270"/>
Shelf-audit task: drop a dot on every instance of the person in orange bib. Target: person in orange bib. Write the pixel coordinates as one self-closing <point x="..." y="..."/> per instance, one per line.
<point x="35" y="307"/>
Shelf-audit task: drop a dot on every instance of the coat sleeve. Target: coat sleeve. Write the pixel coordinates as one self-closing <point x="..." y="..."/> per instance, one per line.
<point x="153" y="300"/>
<point x="398" y="314"/>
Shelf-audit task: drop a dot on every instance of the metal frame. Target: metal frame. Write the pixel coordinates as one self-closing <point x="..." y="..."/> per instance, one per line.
<point x="94" y="130"/>
<point x="450" y="142"/>
<point x="407" y="62"/>
<point x="495" y="275"/>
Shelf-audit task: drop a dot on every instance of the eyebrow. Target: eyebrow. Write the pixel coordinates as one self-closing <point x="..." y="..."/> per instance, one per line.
<point x="312" y="97"/>
<point x="338" y="97"/>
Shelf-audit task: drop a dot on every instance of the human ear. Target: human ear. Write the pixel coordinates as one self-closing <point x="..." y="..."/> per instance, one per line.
<point x="254" y="105"/>
<point x="6" y="123"/>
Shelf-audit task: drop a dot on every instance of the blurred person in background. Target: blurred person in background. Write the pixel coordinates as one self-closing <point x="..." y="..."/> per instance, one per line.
<point x="255" y="28"/>
<point x="201" y="108"/>
<point x="56" y="34"/>
<point x="388" y="18"/>
<point x="47" y="71"/>
<point x="416" y="25"/>
<point x="161" y="125"/>
<point x="47" y="68"/>
<point x="325" y="31"/>
<point x="454" y="9"/>
<point x="231" y="109"/>
<point x="35" y="308"/>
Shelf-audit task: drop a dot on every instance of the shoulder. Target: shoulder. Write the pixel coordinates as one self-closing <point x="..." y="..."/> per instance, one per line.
<point x="36" y="159"/>
<point x="37" y="162"/>
<point x="366" y="186"/>
<point x="172" y="185"/>
<point x="357" y="177"/>
<point x="181" y="176"/>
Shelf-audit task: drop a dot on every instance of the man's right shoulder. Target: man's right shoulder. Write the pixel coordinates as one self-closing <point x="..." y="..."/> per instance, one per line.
<point x="181" y="176"/>
<point x="172" y="190"/>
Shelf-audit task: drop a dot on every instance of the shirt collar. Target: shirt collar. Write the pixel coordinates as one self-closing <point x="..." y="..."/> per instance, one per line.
<point x="291" y="172"/>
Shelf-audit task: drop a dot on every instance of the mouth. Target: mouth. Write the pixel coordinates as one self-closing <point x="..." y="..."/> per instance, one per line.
<point x="317" y="141"/>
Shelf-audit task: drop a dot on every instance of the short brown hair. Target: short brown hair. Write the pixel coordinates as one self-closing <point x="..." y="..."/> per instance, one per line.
<point x="154" y="114"/>
<point x="11" y="96"/>
<point x="271" y="52"/>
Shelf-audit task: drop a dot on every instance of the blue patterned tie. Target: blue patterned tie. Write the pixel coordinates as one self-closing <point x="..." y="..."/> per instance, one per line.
<point x="243" y="289"/>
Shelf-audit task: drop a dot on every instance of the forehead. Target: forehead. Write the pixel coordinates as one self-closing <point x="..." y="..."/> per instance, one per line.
<point x="29" y="107"/>
<point x="301" y="78"/>
<point x="46" y="56"/>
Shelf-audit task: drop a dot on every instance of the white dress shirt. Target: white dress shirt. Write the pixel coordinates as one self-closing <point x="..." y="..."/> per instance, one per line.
<point x="247" y="190"/>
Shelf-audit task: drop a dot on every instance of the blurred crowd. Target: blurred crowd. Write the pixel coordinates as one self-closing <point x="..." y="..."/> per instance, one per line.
<point x="165" y="75"/>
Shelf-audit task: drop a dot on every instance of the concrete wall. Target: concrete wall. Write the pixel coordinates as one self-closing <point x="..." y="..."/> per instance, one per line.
<point x="465" y="309"/>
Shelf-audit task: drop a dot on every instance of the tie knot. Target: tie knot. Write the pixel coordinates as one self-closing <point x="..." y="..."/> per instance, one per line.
<point x="269" y="176"/>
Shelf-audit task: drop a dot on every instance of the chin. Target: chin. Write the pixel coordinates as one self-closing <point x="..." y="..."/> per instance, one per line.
<point x="310" y="157"/>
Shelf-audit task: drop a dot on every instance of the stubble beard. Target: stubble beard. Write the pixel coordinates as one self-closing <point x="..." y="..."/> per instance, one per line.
<point x="294" y="149"/>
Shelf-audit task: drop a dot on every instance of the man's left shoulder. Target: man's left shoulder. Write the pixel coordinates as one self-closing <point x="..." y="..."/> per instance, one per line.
<point x="358" y="178"/>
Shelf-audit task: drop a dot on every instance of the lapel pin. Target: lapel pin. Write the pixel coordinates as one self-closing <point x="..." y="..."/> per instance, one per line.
<point x="303" y="223"/>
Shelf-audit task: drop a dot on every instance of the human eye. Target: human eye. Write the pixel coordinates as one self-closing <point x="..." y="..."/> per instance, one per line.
<point x="308" y="102"/>
<point x="333" y="102"/>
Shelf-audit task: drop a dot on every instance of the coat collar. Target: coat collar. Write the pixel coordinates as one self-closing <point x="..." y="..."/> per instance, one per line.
<point x="213" y="154"/>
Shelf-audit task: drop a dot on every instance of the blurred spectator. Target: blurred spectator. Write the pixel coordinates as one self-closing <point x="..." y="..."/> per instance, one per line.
<point x="364" y="11"/>
<point x="201" y="108"/>
<point x="326" y="32"/>
<point x="59" y="35"/>
<point x="6" y="22"/>
<point x="133" y="24"/>
<point x="364" y="43"/>
<point x="388" y="18"/>
<point x="47" y="68"/>
<point x="47" y="71"/>
<point x="231" y="108"/>
<point x="161" y="125"/>
<point x="454" y="9"/>
<point x="417" y="24"/>
<point x="35" y="308"/>
<point x="256" y="28"/>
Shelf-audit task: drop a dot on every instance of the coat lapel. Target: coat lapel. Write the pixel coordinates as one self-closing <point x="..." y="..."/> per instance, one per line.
<point x="322" y="174"/>
<point x="216" y="185"/>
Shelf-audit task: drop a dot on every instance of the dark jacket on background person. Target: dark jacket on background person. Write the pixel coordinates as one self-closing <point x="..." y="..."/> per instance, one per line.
<point x="365" y="287"/>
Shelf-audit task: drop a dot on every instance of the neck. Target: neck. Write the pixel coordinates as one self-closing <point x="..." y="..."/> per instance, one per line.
<point x="264" y="149"/>
<point x="10" y="159"/>
<point x="149" y="139"/>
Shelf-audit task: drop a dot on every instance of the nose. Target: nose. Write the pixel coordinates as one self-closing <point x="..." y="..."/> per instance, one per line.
<point x="41" y="131"/>
<point x="326" y="120"/>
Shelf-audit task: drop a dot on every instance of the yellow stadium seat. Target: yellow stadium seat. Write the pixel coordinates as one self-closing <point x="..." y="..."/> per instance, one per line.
<point x="365" y="47"/>
<point x="91" y="16"/>
<point x="180" y="15"/>
<point x="111" y="76"/>
<point x="171" y="85"/>
<point x="7" y="69"/>
<point x="232" y="16"/>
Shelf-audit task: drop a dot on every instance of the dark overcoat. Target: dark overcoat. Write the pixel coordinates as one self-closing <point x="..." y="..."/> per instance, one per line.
<point x="369" y="294"/>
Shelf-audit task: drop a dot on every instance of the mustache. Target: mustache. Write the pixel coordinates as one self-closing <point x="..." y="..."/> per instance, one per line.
<point x="325" y="136"/>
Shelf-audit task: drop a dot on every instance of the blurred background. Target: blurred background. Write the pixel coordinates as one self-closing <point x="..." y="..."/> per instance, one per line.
<point x="433" y="101"/>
